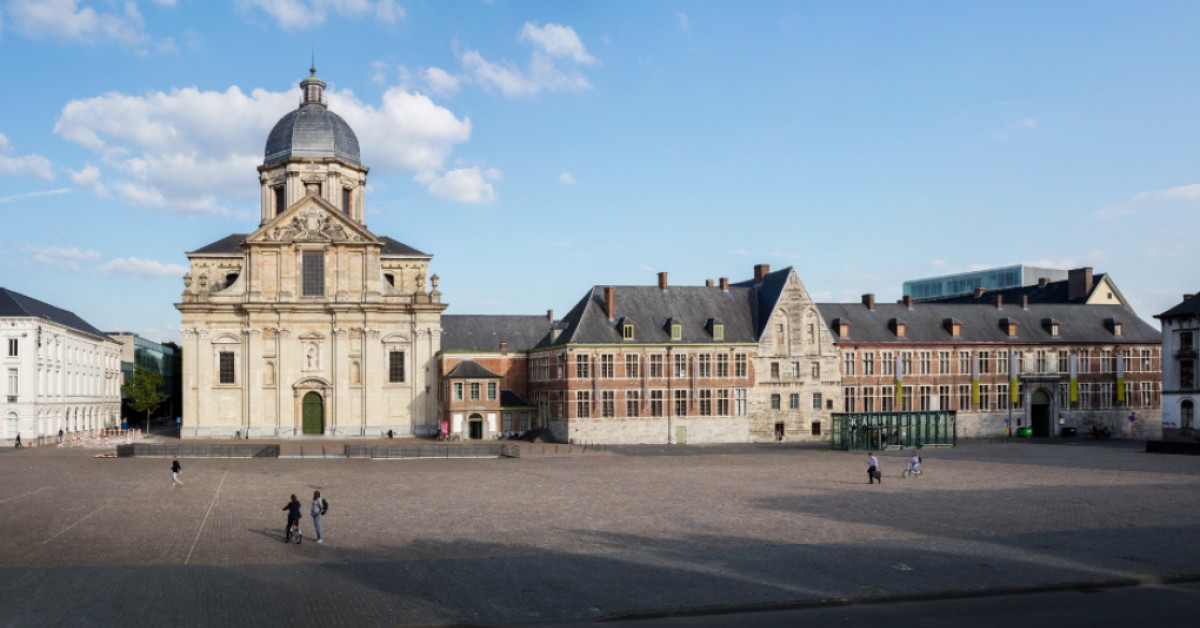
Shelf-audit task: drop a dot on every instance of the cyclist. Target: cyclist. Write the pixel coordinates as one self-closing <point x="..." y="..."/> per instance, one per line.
<point x="293" y="519"/>
<point x="914" y="464"/>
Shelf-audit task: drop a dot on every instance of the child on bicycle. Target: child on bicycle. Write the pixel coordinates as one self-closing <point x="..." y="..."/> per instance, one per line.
<point x="293" y="519"/>
<point x="914" y="464"/>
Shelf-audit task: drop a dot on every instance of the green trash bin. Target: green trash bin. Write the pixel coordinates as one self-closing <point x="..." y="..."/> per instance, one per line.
<point x="1024" y="432"/>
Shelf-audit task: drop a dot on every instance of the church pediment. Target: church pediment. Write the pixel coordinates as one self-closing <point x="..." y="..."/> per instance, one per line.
<point x="312" y="219"/>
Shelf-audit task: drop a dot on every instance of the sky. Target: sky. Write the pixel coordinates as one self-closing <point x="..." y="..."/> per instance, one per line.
<point x="536" y="149"/>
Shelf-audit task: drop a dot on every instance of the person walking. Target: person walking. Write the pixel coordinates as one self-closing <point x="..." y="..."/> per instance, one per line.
<point x="318" y="510"/>
<point x="293" y="518"/>
<point x="873" y="469"/>
<point x="60" y="437"/>
<point x="175" y="469"/>
<point x="18" y="440"/>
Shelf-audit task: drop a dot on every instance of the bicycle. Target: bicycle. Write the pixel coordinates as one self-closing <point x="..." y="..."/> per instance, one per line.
<point x="911" y="472"/>
<point x="294" y="533"/>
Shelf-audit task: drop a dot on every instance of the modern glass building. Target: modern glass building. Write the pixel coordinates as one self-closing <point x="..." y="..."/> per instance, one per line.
<point x="958" y="284"/>
<point x="153" y="356"/>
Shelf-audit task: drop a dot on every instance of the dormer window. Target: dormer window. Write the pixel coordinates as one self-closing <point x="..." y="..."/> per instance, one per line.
<point x="841" y="327"/>
<point x="675" y="327"/>
<point x="1113" y="325"/>
<point x="1051" y="326"/>
<point x="899" y="327"/>
<point x="953" y="327"/>
<point x="626" y="327"/>
<point x="716" y="327"/>
<point x="1009" y="327"/>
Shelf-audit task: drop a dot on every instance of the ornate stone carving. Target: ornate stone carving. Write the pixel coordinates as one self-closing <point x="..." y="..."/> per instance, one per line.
<point x="311" y="224"/>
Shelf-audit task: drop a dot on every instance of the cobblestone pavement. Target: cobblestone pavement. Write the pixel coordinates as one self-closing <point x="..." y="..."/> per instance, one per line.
<point x="556" y="539"/>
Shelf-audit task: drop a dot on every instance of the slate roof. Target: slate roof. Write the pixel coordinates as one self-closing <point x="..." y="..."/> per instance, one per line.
<point x="232" y="245"/>
<point x="510" y="399"/>
<point x="766" y="295"/>
<point x="1187" y="307"/>
<point x="311" y="131"/>
<point x="981" y="323"/>
<point x="483" y="332"/>
<point x="1052" y="292"/>
<point x="470" y="369"/>
<point x="15" y="304"/>
<point x="648" y="308"/>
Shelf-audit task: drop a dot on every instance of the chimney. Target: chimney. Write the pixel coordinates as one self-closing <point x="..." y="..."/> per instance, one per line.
<point x="725" y="284"/>
<point x="1079" y="283"/>
<point x="503" y="347"/>
<point x="908" y="302"/>
<point x="760" y="271"/>
<point x="979" y="292"/>
<point x="1042" y="281"/>
<point x="998" y="299"/>
<point x="708" y="283"/>
<point x="869" y="301"/>
<point x="1024" y="301"/>
<point x="610" y="294"/>
<point x="550" y="316"/>
<point x="1188" y="296"/>
<point x="662" y="281"/>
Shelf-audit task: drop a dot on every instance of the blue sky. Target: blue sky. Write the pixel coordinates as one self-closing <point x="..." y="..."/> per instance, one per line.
<point x="539" y="148"/>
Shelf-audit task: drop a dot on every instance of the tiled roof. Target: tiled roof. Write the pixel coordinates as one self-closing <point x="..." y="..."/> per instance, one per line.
<point x="766" y="295"/>
<point x="15" y="304"/>
<point x="470" y="369"/>
<point x="649" y="308"/>
<point x="393" y="247"/>
<point x="510" y="399"/>
<point x="481" y="332"/>
<point x="1186" y="307"/>
<point x="982" y="323"/>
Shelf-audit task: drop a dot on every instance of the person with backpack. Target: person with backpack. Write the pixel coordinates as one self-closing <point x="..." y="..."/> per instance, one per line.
<point x="319" y="507"/>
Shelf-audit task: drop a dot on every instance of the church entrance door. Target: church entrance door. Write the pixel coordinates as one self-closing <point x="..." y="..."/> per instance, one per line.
<point x="475" y="427"/>
<point x="314" y="414"/>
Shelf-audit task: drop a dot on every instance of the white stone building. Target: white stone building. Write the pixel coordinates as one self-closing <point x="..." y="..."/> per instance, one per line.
<point x="59" y="371"/>
<point x="312" y="324"/>
<point x="1181" y="388"/>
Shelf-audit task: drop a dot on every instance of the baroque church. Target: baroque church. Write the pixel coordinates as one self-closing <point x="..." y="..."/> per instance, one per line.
<point x="312" y="324"/>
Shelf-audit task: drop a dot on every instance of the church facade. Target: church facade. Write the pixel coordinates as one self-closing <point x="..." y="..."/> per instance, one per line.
<point x="311" y="324"/>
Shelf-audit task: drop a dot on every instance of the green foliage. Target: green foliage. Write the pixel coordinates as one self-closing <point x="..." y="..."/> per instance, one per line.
<point x="143" y="391"/>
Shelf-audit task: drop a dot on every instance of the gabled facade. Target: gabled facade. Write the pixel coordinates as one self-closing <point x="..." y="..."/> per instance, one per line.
<point x="1181" y="355"/>
<point x="312" y="324"/>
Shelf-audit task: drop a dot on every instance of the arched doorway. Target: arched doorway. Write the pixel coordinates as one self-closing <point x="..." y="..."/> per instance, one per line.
<point x="475" y="426"/>
<point x="1039" y="412"/>
<point x="1187" y="416"/>
<point x="313" y="413"/>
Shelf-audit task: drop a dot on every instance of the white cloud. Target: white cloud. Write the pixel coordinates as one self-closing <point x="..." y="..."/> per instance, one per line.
<point x="465" y="185"/>
<point x="89" y="179"/>
<point x="143" y="268"/>
<point x="63" y="258"/>
<point x="189" y="150"/>
<point x="567" y="178"/>
<point x="1181" y="196"/>
<point x="26" y="165"/>
<point x="552" y="65"/>
<point x="939" y="263"/>
<point x="302" y="14"/>
<point x="440" y="81"/>
<point x="66" y="20"/>
<point x="164" y="3"/>
<point x="556" y="40"/>
<point x="16" y="198"/>
<point x="682" y="20"/>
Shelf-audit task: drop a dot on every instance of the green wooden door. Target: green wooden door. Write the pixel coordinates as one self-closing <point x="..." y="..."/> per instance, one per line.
<point x="680" y="435"/>
<point x="314" y="414"/>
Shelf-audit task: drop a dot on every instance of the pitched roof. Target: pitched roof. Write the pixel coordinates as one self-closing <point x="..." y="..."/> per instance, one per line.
<point x="1189" y="306"/>
<point x="649" y="308"/>
<point x="510" y="399"/>
<point x="232" y="245"/>
<point x="766" y="295"/>
<point x="470" y="369"/>
<point x="15" y="304"/>
<point x="482" y="332"/>
<point x="982" y="323"/>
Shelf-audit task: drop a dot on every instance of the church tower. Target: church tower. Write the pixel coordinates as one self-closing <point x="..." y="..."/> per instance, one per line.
<point x="312" y="324"/>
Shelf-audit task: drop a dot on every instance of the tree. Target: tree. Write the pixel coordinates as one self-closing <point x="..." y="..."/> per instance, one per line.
<point x="143" y="391"/>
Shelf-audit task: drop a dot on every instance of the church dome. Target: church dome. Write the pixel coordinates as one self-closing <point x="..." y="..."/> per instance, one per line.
<point x="312" y="130"/>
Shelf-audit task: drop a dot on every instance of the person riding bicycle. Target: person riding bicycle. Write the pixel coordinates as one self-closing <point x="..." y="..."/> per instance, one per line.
<point x="293" y="508"/>
<point x="914" y="463"/>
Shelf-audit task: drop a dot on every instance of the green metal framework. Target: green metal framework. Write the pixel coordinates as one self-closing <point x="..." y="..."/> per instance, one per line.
<point x="869" y="431"/>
